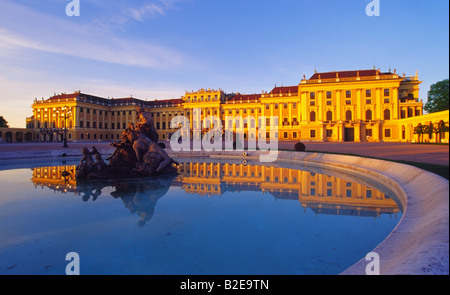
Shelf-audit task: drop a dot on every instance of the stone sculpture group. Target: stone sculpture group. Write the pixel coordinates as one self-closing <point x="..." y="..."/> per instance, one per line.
<point x="138" y="154"/>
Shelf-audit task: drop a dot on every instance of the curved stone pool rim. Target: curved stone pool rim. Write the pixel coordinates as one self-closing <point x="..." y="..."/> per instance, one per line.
<point x="419" y="245"/>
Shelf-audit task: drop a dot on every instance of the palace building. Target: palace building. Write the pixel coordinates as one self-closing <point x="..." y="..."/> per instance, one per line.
<point x="359" y="106"/>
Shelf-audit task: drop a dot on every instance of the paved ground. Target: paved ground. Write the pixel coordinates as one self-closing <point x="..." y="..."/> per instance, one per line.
<point x="422" y="153"/>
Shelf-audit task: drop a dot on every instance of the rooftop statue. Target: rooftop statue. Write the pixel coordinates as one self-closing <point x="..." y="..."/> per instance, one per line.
<point x="137" y="154"/>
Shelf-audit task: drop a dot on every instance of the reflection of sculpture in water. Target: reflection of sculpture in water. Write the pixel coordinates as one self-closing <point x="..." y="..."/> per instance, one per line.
<point x="141" y="197"/>
<point x="138" y="154"/>
<point x="138" y="196"/>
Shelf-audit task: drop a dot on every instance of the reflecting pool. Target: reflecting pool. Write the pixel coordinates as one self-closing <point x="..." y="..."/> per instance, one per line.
<point x="212" y="218"/>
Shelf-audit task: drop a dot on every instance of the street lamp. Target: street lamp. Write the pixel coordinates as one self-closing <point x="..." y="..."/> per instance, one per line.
<point x="65" y="125"/>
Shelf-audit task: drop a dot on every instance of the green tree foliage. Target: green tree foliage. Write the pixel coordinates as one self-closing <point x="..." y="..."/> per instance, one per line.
<point x="3" y="122"/>
<point x="438" y="99"/>
<point x="419" y="129"/>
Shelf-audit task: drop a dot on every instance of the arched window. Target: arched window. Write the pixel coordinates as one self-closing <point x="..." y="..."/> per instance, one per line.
<point x="368" y="115"/>
<point x="348" y="115"/>
<point x="387" y="114"/>
<point x="312" y="116"/>
<point x="329" y="116"/>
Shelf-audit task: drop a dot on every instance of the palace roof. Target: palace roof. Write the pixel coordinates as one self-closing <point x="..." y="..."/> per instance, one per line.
<point x="285" y="90"/>
<point x="347" y="74"/>
<point x="244" y="98"/>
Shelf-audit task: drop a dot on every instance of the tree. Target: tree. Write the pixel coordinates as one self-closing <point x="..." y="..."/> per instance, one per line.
<point x="438" y="99"/>
<point x="439" y="129"/>
<point x="419" y="129"/>
<point x="3" y="122"/>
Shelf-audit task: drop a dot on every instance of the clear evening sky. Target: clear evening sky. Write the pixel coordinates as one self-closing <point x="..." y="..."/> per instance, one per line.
<point x="157" y="49"/>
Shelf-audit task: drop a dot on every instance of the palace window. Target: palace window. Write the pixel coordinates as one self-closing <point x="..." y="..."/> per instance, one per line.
<point x="402" y="114"/>
<point x="294" y="105"/>
<point x="368" y="115"/>
<point x="387" y="114"/>
<point x="369" y="132"/>
<point x="386" y="92"/>
<point x="312" y="116"/>
<point x="329" y="132"/>
<point x="329" y="102"/>
<point x="312" y="103"/>
<point x="285" y="105"/>
<point x="348" y="115"/>
<point x="410" y="112"/>
<point x="329" y="116"/>
<point x="348" y="102"/>
<point x="387" y="133"/>
<point x="312" y="133"/>
<point x="348" y="94"/>
<point x="312" y="95"/>
<point x="368" y="93"/>
<point x="368" y="101"/>
<point x="329" y="94"/>
<point x="276" y="106"/>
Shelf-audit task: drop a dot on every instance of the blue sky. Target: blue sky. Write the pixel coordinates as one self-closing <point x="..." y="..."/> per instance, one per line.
<point x="157" y="49"/>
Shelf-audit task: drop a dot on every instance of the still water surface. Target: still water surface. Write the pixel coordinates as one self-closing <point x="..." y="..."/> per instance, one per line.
<point x="212" y="218"/>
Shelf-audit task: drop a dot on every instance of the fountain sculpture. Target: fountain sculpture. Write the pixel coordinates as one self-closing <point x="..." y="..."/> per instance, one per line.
<point x="137" y="154"/>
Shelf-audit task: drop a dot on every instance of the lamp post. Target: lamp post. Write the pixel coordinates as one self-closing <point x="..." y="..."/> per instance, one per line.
<point x="65" y="126"/>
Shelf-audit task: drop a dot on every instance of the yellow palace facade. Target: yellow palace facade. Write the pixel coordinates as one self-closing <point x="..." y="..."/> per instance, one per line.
<point x="359" y="106"/>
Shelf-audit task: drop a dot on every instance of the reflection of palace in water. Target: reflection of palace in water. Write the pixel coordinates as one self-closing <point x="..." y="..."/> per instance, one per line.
<point x="55" y="179"/>
<point x="322" y="193"/>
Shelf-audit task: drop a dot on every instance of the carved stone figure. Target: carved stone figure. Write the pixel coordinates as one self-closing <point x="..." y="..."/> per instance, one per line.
<point x="137" y="154"/>
<point x="146" y="125"/>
